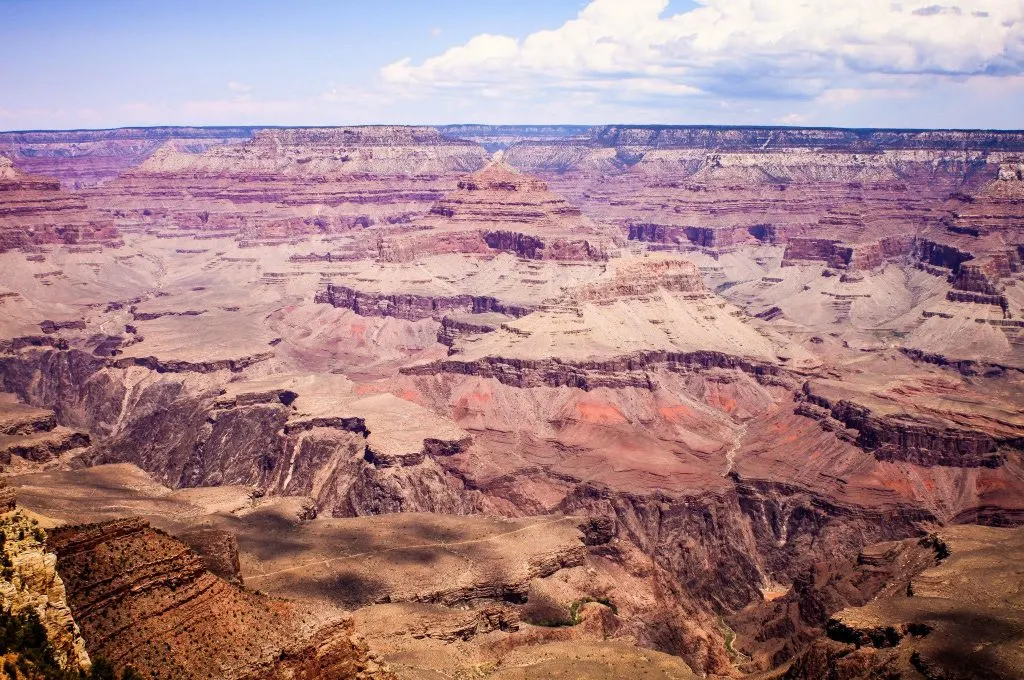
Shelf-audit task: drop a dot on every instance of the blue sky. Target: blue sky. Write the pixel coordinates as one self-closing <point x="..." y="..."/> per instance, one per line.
<point x="904" y="63"/>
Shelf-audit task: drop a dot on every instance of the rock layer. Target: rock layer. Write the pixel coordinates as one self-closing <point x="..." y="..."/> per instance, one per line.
<point x="143" y="598"/>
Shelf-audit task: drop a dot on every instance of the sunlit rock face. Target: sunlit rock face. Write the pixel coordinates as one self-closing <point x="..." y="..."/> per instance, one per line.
<point x="30" y="583"/>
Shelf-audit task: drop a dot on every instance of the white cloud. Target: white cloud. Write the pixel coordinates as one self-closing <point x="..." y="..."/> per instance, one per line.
<point x="861" y="63"/>
<point x="632" y="51"/>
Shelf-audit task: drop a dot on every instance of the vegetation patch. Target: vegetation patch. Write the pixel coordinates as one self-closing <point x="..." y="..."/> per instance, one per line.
<point x="574" y="612"/>
<point x="28" y="655"/>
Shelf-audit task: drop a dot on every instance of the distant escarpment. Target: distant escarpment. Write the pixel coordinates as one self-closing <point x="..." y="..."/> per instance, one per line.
<point x="692" y="149"/>
<point x="750" y="138"/>
<point x="286" y="183"/>
<point x="86" y="158"/>
<point x="145" y="599"/>
<point x="848" y="199"/>
<point x="35" y="211"/>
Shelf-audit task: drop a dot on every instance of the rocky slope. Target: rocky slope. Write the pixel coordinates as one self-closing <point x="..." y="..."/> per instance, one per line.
<point x="500" y="209"/>
<point x="854" y="200"/>
<point x="284" y="436"/>
<point x="771" y="632"/>
<point x="959" y="618"/>
<point x="432" y="593"/>
<point x="143" y="598"/>
<point x="607" y="333"/>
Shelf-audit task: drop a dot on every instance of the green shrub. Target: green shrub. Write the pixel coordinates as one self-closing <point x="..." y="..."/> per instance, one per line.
<point x="23" y="634"/>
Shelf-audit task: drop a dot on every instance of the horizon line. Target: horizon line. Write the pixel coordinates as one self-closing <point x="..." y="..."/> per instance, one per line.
<point x="668" y="126"/>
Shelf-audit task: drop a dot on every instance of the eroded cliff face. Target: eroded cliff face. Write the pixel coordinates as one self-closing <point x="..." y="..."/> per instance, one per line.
<point x="854" y="200"/>
<point x="709" y="498"/>
<point x="29" y="581"/>
<point x="35" y="211"/>
<point x="282" y="185"/>
<point x="954" y="618"/>
<point x="498" y="209"/>
<point x="773" y="631"/>
<point x="144" y="599"/>
<point x="181" y="429"/>
<point x="926" y="441"/>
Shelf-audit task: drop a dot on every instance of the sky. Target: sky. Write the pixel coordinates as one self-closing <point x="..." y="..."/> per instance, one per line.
<point x="847" y="63"/>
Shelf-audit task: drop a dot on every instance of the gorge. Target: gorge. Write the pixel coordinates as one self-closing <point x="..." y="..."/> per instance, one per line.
<point x="517" y="401"/>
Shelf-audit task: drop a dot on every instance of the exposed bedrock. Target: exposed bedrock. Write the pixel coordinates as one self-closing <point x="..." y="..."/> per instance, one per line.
<point x="536" y="248"/>
<point x="835" y="252"/>
<point x="974" y="278"/>
<point x="640" y="278"/>
<point x="180" y="366"/>
<point x="218" y="549"/>
<point x="530" y="247"/>
<point x="966" y="367"/>
<point x="816" y="249"/>
<point x="939" y="255"/>
<point x="900" y="437"/>
<point x="627" y="371"/>
<point x="753" y="138"/>
<point x="874" y="254"/>
<point x="412" y="307"/>
<point x="82" y="158"/>
<point x="500" y="210"/>
<point x="71" y="383"/>
<point x="774" y="631"/>
<point x="35" y="211"/>
<point x="275" y="185"/>
<point x="688" y="151"/>
<point x="455" y="327"/>
<point x="144" y="598"/>
<point x="978" y="282"/>
<point x="712" y="554"/>
<point x="178" y="428"/>
<point x="45" y="446"/>
<point x="705" y="237"/>
<point x="30" y="582"/>
<point x="33" y="433"/>
<point x="957" y="617"/>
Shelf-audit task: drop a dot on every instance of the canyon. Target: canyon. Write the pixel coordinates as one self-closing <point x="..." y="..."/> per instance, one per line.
<point x="516" y="402"/>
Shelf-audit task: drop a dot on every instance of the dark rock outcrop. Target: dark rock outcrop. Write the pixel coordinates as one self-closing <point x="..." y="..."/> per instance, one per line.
<point x="900" y="437"/>
<point x="412" y="307"/>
